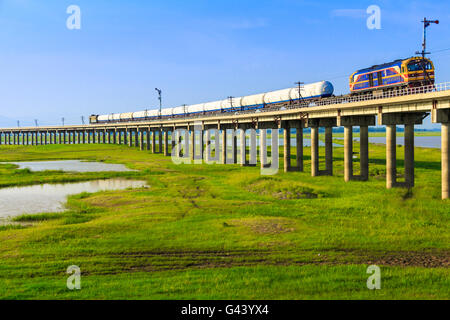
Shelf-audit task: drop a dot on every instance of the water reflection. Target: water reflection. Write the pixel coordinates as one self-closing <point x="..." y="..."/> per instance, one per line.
<point x="71" y="166"/>
<point x="51" y="197"/>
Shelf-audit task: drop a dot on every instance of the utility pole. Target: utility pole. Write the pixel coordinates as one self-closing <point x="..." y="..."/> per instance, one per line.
<point x="82" y="120"/>
<point x="230" y="100"/>
<point x="300" y="87"/>
<point x="36" y="122"/>
<point x="18" y="124"/>
<point x="160" y="100"/>
<point x="62" y="121"/>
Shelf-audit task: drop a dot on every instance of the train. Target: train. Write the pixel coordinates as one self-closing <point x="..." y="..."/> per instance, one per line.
<point x="399" y="74"/>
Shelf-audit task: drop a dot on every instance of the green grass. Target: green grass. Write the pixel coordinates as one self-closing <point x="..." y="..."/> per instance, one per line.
<point x="226" y="232"/>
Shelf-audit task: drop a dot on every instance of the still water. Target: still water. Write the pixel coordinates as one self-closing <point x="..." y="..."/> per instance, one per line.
<point x="71" y="166"/>
<point x="52" y="197"/>
<point x="424" y="142"/>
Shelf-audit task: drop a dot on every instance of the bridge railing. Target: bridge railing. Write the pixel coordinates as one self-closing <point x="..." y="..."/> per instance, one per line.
<point x="349" y="99"/>
<point x="389" y="94"/>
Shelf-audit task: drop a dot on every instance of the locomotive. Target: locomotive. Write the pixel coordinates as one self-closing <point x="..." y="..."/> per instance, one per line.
<point x="396" y="75"/>
<point x="399" y="74"/>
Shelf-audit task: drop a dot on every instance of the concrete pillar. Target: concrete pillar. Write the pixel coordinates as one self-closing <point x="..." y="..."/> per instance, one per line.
<point x="136" y="137"/>
<point x="147" y="139"/>
<point x="299" y="142"/>
<point x="130" y="137"/>
<point x="183" y="147"/>
<point x="192" y="152"/>
<point x="65" y="137"/>
<point x="263" y="147"/>
<point x="202" y="145"/>
<point x="141" y="139"/>
<point x="125" y="137"/>
<point x="166" y="143"/>
<point x="243" y="142"/>
<point x="364" y="152"/>
<point x="153" y="141"/>
<point x="224" y="146"/>
<point x="178" y="143"/>
<point x="314" y="151"/>
<point x="160" y="141"/>
<point x="287" y="148"/>
<point x="234" y="146"/>
<point x="207" y="155"/>
<point x="173" y="139"/>
<point x="329" y="151"/>
<point x="391" y="156"/>
<point x="115" y="140"/>
<point x="253" y="148"/>
<point x="348" y="153"/>
<point x="445" y="160"/>
<point x="84" y="136"/>
<point x="409" y="155"/>
<point x="105" y="133"/>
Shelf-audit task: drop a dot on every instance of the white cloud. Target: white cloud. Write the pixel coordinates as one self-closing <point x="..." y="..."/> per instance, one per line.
<point x="349" y="13"/>
<point x="248" y="24"/>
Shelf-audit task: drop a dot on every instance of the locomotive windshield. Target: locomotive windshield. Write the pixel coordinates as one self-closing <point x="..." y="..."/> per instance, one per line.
<point x="417" y="66"/>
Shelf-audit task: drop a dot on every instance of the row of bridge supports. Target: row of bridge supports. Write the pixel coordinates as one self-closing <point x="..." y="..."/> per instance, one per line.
<point x="196" y="143"/>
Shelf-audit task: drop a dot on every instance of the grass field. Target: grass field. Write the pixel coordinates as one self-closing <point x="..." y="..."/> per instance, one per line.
<point x="226" y="232"/>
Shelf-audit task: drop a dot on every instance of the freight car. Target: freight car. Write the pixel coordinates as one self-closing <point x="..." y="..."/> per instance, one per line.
<point x="308" y="92"/>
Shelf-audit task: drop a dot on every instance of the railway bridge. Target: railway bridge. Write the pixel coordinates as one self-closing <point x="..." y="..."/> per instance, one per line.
<point x="408" y="107"/>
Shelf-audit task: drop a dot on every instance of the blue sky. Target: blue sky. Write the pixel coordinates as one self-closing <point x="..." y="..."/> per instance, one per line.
<point x="195" y="51"/>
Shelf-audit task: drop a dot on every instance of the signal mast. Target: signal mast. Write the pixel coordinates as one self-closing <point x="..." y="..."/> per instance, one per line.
<point x="426" y="24"/>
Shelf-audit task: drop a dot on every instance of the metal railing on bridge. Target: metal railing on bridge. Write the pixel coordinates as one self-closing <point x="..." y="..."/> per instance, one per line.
<point x="346" y="99"/>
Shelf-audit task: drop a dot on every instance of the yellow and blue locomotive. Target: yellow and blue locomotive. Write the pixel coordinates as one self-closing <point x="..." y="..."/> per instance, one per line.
<point x="403" y="73"/>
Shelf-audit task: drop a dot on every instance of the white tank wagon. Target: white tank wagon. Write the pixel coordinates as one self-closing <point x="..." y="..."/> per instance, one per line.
<point x="310" y="91"/>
